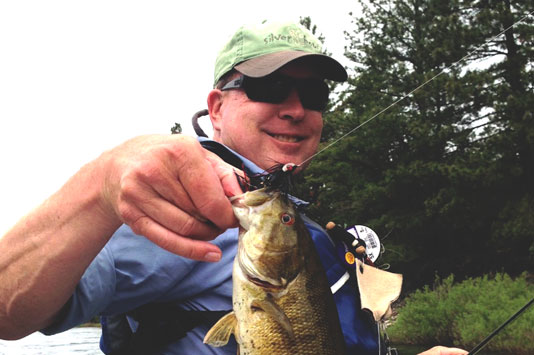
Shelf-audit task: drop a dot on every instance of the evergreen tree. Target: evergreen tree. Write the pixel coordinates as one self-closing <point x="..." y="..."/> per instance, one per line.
<point x="446" y="171"/>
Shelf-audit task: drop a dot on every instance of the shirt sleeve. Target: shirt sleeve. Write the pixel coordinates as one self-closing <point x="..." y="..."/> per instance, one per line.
<point x="129" y="271"/>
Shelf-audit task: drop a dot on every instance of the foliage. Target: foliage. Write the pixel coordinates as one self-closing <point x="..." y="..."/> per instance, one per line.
<point x="447" y="170"/>
<point x="465" y="313"/>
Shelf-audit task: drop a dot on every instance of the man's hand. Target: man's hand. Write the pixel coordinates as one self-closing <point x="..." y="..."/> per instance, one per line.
<point x="172" y="191"/>
<point x="441" y="350"/>
<point x="167" y="188"/>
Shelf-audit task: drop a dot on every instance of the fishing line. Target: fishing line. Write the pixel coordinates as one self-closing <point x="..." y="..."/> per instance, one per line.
<point x="496" y="331"/>
<point x="414" y="90"/>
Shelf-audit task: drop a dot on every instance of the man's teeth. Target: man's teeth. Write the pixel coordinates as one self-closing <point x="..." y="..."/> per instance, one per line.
<point x="288" y="139"/>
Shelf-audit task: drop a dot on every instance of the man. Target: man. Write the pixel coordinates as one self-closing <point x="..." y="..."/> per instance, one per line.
<point x="132" y="229"/>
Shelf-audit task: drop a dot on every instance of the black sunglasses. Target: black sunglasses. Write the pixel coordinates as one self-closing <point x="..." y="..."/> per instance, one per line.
<point x="276" y="88"/>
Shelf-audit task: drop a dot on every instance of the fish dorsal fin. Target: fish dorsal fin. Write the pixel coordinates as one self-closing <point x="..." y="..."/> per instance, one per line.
<point x="220" y="333"/>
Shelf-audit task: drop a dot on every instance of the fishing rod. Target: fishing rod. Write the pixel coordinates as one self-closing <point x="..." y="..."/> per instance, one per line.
<point x="484" y="342"/>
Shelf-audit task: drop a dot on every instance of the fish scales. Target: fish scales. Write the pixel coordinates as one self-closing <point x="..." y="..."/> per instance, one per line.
<point x="282" y="303"/>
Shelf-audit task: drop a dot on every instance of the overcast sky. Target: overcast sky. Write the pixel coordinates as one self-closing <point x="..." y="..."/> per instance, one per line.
<point x="80" y="77"/>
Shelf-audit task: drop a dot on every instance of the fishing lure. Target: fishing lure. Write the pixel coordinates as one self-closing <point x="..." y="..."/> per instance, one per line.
<point x="278" y="177"/>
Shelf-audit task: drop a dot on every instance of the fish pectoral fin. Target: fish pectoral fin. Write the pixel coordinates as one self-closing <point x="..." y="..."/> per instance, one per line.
<point x="274" y="311"/>
<point x="220" y="333"/>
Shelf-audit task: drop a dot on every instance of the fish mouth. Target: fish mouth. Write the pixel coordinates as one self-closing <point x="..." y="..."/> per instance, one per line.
<point x="262" y="281"/>
<point x="251" y="273"/>
<point x="264" y="284"/>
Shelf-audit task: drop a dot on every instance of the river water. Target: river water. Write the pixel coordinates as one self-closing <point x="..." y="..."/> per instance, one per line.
<point x="76" y="341"/>
<point x="85" y="341"/>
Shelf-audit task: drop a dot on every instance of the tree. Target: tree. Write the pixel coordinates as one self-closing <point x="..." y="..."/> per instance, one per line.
<point x="447" y="170"/>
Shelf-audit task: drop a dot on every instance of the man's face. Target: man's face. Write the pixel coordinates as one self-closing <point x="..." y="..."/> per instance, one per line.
<point x="266" y="133"/>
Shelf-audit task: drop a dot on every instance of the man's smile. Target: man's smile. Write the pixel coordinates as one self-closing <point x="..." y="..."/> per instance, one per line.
<point x="286" y="138"/>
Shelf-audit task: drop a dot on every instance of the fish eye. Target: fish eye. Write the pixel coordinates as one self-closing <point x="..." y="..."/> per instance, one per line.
<point x="287" y="219"/>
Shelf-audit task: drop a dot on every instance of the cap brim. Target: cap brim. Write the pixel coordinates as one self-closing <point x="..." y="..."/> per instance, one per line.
<point x="264" y="65"/>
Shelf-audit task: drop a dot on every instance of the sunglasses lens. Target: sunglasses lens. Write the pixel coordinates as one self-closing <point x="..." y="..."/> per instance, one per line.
<point x="274" y="89"/>
<point x="313" y="94"/>
<point x="271" y="89"/>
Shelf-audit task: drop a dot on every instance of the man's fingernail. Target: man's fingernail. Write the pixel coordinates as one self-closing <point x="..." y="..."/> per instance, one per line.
<point x="212" y="257"/>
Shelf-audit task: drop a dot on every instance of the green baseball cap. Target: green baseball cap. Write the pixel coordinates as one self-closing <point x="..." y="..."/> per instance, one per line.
<point x="259" y="50"/>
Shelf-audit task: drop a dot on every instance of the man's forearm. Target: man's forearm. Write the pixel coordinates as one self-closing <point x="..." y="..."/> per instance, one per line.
<point x="45" y="254"/>
<point x="165" y="187"/>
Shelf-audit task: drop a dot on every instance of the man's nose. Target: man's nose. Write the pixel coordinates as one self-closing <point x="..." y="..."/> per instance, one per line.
<point x="291" y="108"/>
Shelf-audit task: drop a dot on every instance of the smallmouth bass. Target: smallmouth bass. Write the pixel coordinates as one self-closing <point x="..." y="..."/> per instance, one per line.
<point x="282" y="303"/>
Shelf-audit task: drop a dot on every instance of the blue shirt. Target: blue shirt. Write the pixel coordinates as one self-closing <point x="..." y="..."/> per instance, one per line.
<point x="131" y="271"/>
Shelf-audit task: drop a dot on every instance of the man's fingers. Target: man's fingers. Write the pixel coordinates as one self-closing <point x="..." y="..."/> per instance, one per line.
<point x="442" y="350"/>
<point x="178" y="221"/>
<point x="226" y="174"/>
<point x="177" y="244"/>
<point x="166" y="186"/>
<point x="205" y="188"/>
<point x="170" y="189"/>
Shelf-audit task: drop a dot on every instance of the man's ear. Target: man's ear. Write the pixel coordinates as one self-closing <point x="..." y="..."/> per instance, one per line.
<point x="215" y="101"/>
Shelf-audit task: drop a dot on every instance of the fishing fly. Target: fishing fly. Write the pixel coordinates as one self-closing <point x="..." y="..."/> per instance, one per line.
<point x="278" y="177"/>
